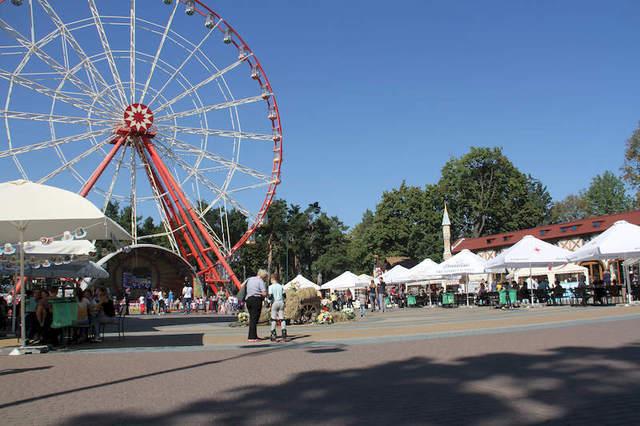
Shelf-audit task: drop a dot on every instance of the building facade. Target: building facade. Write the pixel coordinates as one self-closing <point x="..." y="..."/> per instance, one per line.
<point x="570" y="236"/>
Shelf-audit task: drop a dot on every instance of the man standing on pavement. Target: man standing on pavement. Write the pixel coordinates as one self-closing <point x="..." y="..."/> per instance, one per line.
<point x="382" y="291"/>
<point x="187" y="295"/>
<point x="256" y="292"/>
<point x="276" y="295"/>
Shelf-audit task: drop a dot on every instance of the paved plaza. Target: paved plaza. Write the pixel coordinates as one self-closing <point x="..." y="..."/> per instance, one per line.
<point x="480" y="366"/>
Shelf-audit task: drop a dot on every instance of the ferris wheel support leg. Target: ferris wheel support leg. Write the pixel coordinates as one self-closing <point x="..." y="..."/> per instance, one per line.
<point x="103" y="165"/>
<point x="203" y="263"/>
<point x="169" y="210"/>
<point x="159" y="164"/>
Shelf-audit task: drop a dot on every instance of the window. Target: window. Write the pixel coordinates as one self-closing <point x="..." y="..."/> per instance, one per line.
<point x="490" y="240"/>
<point x="543" y="232"/>
<point x="506" y="238"/>
<point x="564" y="228"/>
<point x="574" y="228"/>
<point x="596" y="224"/>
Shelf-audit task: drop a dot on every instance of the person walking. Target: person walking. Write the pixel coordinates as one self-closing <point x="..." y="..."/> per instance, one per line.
<point x="187" y="295"/>
<point x="372" y="295"/>
<point x="382" y="291"/>
<point x="256" y="292"/>
<point x="277" y="298"/>
<point x="362" y="300"/>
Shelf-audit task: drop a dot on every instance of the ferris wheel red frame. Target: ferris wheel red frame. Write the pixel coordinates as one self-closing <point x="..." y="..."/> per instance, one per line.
<point x="136" y="132"/>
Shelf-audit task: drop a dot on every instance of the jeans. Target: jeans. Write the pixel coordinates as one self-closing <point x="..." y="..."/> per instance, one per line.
<point x="381" y="302"/>
<point x="187" y="304"/>
<point x="254" y="306"/>
<point x="362" y="309"/>
<point x="372" y="302"/>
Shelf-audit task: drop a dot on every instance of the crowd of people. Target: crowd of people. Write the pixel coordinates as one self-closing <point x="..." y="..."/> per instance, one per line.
<point x="161" y="301"/>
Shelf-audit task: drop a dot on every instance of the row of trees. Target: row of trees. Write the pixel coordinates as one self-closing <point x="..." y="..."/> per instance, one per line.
<point x="485" y="193"/>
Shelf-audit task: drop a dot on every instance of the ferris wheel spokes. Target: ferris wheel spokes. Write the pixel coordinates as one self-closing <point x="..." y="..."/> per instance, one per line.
<point x="234" y="134"/>
<point x="71" y="40"/>
<point x="102" y="35"/>
<point x="158" y="51"/>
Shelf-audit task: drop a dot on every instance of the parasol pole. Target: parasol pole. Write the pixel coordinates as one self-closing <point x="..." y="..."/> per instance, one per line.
<point x="23" y="327"/>
<point x="531" y="284"/>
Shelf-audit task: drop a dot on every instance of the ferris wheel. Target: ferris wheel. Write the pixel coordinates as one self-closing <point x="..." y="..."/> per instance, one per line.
<point x="159" y="105"/>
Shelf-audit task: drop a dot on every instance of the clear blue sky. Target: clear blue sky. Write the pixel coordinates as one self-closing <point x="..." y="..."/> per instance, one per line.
<point x="373" y="92"/>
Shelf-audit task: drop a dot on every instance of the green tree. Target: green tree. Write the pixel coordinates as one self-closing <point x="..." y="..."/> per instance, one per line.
<point x="487" y="194"/>
<point x="607" y="195"/>
<point x="572" y="207"/>
<point x="631" y="167"/>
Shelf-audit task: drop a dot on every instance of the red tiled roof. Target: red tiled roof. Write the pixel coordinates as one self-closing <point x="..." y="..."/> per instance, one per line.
<point x="591" y="225"/>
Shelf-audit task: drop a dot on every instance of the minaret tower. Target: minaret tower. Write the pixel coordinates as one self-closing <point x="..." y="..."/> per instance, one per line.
<point x="446" y="233"/>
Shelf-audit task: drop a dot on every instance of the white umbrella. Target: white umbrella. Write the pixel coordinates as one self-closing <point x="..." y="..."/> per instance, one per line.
<point x="529" y="252"/>
<point x="31" y="211"/>
<point x="620" y="241"/>
<point x="395" y="275"/>
<point x="346" y="280"/>
<point x="301" y="282"/>
<point x="463" y="263"/>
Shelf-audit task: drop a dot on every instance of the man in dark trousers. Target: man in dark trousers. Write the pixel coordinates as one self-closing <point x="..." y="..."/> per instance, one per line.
<point x="256" y="292"/>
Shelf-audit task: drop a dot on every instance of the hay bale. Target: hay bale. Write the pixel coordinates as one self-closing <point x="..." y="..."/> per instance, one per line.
<point x="307" y="293"/>
<point x="265" y="314"/>
<point x="292" y="305"/>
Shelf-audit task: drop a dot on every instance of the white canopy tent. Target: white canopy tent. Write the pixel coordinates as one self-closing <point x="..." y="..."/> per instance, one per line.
<point x="620" y="241"/>
<point x="529" y="252"/>
<point x="396" y="275"/>
<point x="32" y="211"/>
<point x="347" y="280"/>
<point x="301" y="282"/>
<point x="423" y="271"/>
<point x="365" y="278"/>
<point x="464" y="263"/>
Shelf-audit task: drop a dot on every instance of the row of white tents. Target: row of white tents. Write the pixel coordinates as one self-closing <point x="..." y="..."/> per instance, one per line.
<point x="620" y="241"/>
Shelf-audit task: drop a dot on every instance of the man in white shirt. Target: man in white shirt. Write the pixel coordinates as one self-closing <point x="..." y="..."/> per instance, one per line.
<point x="187" y="295"/>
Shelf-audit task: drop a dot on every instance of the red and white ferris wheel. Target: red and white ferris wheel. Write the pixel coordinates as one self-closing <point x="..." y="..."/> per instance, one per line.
<point x="156" y="104"/>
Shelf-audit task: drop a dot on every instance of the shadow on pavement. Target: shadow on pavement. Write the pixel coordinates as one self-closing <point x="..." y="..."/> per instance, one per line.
<point x="149" y="341"/>
<point x="22" y="370"/>
<point x="571" y="385"/>
<point x="141" y="323"/>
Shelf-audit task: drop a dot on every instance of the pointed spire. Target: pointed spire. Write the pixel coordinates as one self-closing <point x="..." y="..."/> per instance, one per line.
<point x="445" y="216"/>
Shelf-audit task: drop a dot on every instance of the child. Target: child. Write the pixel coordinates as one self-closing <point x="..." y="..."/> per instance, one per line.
<point x="276" y="295"/>
<point x="362" y="299"/>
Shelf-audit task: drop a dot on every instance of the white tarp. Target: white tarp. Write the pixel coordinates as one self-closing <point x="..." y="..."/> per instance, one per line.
<point x="620" y="241"/>
<point x="529" y="252"/>
<point x="301" y="282"/>
<point x="424" y="270"/>
<point x="395" y="275"/>
<point x="463" y="263"/>
<point x="347" y="280"/>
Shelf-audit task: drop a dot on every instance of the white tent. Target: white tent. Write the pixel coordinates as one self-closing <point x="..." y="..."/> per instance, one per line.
<point x="347" y="280"/>
<point x="301" y="282"/>
<point x="397" y="274"/>
<point x="464" y="263"/>
<point x="620" y="241"/>
<point x="423" y="271"/>
<point x="529" y="252"/>
<point x="31" y="211"/>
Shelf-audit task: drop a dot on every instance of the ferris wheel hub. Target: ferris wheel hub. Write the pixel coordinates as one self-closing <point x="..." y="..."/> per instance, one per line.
<point x="138" y="118"/>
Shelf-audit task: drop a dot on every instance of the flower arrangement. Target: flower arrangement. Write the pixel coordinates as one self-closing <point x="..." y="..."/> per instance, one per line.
<point x="349" y="313"/>
<point x="324" y="318"/>
<point x="243" y="318"/>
